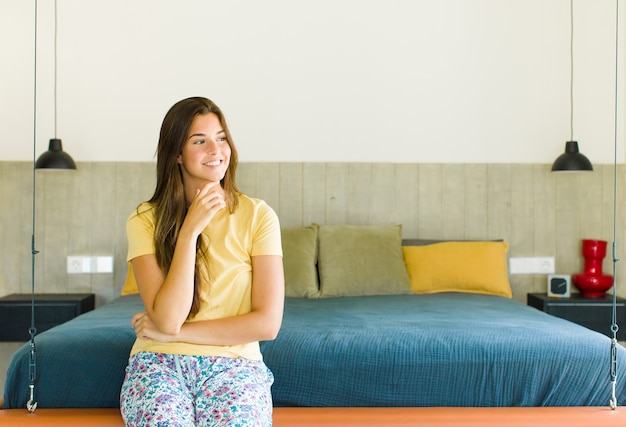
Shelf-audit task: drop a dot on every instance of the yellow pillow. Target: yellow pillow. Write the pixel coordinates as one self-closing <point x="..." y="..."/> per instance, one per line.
<point x="475" y="267"/>
<point x="130" y="286"/>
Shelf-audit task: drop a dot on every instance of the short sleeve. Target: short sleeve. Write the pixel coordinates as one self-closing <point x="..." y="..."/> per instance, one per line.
<point x="266" y="237"/>
<point x="140" y="232"/>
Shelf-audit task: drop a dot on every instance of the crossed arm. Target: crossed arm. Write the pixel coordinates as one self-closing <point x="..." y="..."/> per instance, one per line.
<point x="167" y="320"/>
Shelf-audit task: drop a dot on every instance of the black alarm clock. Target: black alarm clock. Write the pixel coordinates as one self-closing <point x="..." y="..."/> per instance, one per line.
<point x="559" y="285"/>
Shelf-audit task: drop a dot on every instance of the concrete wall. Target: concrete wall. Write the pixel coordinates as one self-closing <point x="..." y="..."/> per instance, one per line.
<point x="539" y="213"/>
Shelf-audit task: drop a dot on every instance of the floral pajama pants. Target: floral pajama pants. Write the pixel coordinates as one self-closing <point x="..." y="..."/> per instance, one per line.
<point x="162" y="390"/>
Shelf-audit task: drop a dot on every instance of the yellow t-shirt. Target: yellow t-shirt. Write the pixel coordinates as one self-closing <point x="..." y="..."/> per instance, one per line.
<point x="253" y="229"/>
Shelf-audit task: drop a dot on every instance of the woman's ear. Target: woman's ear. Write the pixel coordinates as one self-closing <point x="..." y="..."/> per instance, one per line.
<point x="179" y="159"/>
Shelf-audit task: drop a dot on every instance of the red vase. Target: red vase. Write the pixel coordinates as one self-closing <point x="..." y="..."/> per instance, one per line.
<point x="591" y="282"/>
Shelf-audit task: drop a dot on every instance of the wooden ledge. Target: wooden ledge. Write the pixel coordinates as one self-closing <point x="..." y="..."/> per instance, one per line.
<point x="309" y="417"/>
<point x="69" y="417"/>
<point x="449" y="417"/>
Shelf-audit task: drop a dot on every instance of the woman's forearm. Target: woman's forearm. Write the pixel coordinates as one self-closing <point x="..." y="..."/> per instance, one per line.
<point x="172" y="301"/>
<point x="245" y="328"/>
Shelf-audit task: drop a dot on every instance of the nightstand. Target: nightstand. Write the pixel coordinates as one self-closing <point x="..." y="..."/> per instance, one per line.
<point x="50" y="310"/>
<point x="593" y="313"/>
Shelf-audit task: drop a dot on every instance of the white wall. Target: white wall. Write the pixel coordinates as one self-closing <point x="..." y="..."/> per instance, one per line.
<point x="484" y="81"/>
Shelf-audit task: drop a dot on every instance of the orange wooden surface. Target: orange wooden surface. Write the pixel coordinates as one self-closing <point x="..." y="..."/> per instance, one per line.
<point x="62" y="417"/>
<point x="449" y="417"/>
<point x="305" y="417"/>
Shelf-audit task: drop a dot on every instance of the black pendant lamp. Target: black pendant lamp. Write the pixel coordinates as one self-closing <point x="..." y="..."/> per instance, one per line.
<point x="572" y="160"/>
<point x="55" y="157"/>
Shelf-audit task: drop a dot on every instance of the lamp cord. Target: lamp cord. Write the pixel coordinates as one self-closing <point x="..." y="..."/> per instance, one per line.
<point x="55" y="68"/>
<point x="614" y="326"/>
<point x="31" y="405"/>
<point x="571" y="68"/>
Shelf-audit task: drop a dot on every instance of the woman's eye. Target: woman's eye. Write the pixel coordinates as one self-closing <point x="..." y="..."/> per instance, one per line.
<point x="221" y="139"/>
<point x="200" y="141"/>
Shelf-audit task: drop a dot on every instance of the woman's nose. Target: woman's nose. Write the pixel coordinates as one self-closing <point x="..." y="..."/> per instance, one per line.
<point x="212" y="147"/>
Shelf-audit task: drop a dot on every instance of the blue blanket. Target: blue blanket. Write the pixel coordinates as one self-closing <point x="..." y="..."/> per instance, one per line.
<point x="409" y="350"/>
<point x="436" y="350"/>
<point x="80" y="363"/>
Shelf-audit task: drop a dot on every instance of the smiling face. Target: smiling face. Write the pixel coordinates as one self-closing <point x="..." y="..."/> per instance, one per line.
<point x="206" y="153"/>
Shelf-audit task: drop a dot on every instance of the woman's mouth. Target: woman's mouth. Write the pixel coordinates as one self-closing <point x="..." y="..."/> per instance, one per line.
<point x="213" y="163"/>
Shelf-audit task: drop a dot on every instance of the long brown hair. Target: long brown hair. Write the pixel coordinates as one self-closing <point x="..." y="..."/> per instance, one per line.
<point x="168" y="201"/>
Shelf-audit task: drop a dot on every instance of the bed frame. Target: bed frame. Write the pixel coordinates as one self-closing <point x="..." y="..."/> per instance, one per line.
<point x="309" y="417"/>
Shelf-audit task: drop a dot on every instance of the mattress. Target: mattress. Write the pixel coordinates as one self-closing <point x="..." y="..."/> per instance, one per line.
<point x="450" y="349"/>
<point x="80" y="363"/>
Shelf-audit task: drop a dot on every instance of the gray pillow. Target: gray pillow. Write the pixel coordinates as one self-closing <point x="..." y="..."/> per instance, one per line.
<point x="361" y="260"/>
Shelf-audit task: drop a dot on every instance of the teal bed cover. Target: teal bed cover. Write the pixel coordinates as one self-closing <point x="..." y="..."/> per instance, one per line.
<point x="449" y="349"/>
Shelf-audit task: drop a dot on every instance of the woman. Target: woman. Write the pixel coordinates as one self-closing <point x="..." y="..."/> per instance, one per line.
<point x="207" y="261"/>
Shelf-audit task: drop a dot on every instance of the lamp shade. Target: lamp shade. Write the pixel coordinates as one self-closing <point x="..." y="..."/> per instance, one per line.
<point x="572" y="160"/>
<point x="55" y="157"/>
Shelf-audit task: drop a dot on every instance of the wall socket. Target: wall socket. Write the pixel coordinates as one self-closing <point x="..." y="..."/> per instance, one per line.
<point x="531" y="265"/>
<point x="89" y="264"/>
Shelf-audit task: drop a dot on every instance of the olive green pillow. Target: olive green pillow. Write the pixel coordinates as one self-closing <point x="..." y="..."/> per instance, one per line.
<point x="361" y="260"/>
<point x="300" y="262"/>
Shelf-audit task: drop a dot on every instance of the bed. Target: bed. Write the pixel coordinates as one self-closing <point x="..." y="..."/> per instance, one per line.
<point x="370" y="320"/>
<point x="450" y="349"/>
<point x="447" y="349"/>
